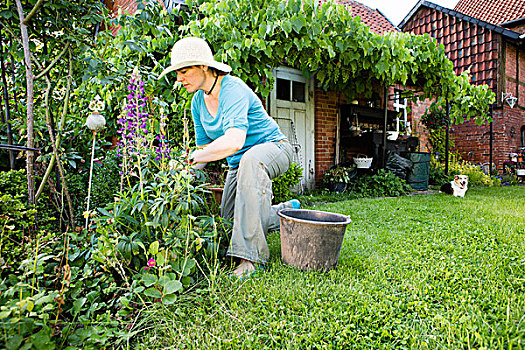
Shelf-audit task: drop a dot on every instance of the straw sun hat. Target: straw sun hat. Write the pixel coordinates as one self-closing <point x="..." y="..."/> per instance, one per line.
<point x="193" y="51"/>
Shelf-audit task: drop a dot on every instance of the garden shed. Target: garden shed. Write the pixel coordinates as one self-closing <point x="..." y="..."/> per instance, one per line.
<point x="313" y="118"/>
<point x="317" y="105"/>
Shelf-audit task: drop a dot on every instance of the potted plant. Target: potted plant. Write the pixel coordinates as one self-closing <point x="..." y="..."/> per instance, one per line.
<point x="216" y="172"/>
<point x="338" y="178"/>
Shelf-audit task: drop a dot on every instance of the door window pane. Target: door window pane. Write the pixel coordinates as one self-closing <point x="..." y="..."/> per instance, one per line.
<point x="283" y="89"/>
<point x="298" y="91"/>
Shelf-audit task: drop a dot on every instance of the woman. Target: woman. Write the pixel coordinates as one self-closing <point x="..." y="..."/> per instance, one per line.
<point x="230" y="122"/>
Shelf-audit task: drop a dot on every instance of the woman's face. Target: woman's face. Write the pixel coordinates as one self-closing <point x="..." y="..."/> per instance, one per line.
<point x="192" y="78"/>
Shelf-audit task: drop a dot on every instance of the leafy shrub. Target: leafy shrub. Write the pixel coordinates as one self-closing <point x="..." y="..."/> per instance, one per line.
<point x="434" y="119"/>
<point x="27" y="306"/>
<point x="437" y="176"/>
<point x="382" y="184"/>
<point x="105" y="183"/>
<point x="338" y="174"/>
<point x="18" y="222"/>
<point x="77" y="183"/>
<point x="282" y="185"/>
<point x="437" y="138"/>
<point x="106" y="179"/>
<point x="508" y="180"/>
<point x="13" y="183"/>
<point x="476" y="175"/>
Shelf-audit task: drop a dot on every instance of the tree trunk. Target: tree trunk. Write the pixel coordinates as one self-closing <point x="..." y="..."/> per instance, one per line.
<point x="30" y="106"/>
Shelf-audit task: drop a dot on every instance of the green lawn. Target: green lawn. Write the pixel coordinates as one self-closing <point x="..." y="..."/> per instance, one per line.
<point x="423" y="271"/>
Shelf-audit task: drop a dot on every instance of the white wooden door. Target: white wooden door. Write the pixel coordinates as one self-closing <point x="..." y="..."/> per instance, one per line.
<point x="291" y="105"/>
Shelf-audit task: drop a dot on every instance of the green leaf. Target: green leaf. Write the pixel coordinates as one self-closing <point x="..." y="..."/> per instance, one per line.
<point x="154" y="248"/>
<point x="42" y="340"/>
<point x="287" y="26"/>
<point x="298" y="23"/>
<point x="78" y="303"/>
<point x="148" y="279"/>
<point x="14" y="342"/>
<point x="6" y="14"/>
<point x="172" y="287"/>
<point x="105" y="212"/>
<point x="30" y="305"/>
<point x="186" y="281"/>
<point x="169" y="299"/>
<point x="153" y="292"/>
<point x="161" y="258"/>
<point x="165" y="220"/>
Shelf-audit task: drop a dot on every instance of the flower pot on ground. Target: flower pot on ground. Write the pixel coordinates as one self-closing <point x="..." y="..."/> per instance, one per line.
<point x="338" y="187"/>
<point x="216" y="193"/>
<point x="338" y="178"/>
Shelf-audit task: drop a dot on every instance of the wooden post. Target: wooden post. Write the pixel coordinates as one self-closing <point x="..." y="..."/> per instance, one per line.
<point x="491" y="139"/>
<point x="337" y="135"/>
<point x="383" y="162"/>
<point x="447" y="136"/>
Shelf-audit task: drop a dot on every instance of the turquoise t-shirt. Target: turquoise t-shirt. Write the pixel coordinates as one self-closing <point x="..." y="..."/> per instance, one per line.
<point x="239" y="107"/>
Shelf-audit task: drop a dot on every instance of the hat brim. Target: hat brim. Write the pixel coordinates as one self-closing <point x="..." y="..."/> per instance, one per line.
<point x="223" y="67"/>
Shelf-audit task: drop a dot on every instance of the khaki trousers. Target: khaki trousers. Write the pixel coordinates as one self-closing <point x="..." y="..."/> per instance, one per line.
<point x="247" y="198"/>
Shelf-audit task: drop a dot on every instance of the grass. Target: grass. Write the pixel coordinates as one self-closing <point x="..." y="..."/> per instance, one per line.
<point x="416" y="272"/>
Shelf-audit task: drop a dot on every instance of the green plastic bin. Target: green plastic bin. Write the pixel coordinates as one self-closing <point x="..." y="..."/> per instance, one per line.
<point x="419" y="174"/>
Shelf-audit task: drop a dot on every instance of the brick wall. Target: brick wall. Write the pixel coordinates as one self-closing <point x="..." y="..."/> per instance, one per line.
<point x="514" y="79"/>
<point x="417" y="109"/>
<point x="325" y="124"/>
<point x="476" y="139"/>
<point x="124" y="6"/>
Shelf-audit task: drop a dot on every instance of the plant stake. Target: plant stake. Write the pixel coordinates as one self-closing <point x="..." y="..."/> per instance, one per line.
<point x="95" y="122"/>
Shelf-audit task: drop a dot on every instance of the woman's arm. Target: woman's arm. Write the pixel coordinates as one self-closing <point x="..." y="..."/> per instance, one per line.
<point x="224" y="146"/>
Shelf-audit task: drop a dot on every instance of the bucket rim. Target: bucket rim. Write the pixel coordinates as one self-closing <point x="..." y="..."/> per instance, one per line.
<point x="282" y="213"/>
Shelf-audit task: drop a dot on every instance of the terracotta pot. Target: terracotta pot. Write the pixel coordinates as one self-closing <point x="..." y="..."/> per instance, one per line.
<point x="217" y="193"/>
<point x="338" y="187"/>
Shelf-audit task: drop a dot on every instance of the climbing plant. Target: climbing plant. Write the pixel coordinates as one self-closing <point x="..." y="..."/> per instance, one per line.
<point x="325" y="40"/>
<point x="254" y="37"/>
<point x="465" y="102"/>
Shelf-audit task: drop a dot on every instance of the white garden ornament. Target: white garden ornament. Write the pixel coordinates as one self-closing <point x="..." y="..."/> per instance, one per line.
<point x="95" y="122"/>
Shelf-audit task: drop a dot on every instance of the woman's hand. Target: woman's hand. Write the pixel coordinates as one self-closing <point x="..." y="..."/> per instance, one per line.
<point x="225" y="146"/>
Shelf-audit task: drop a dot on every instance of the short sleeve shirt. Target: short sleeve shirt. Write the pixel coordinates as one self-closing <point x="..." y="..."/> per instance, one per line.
<point x="239" y="107"/>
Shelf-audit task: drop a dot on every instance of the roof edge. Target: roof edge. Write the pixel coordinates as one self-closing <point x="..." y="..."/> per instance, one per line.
<point x="513" y="22"/>
<point x="410" y="14"/>
<point x="496" y="28"/>
<point x="389" y="21"/>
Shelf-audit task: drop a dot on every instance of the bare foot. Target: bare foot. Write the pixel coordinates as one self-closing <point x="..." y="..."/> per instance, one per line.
<point x="244" y="269"/>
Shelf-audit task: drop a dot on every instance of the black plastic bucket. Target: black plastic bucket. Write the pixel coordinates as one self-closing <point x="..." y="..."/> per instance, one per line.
<point x="310" y="239"/>
<point x="420" y="172"/>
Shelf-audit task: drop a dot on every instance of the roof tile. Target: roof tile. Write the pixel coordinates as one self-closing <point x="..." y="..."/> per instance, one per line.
<point x="492" y="11"/>
<point x="374" y="19"/>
